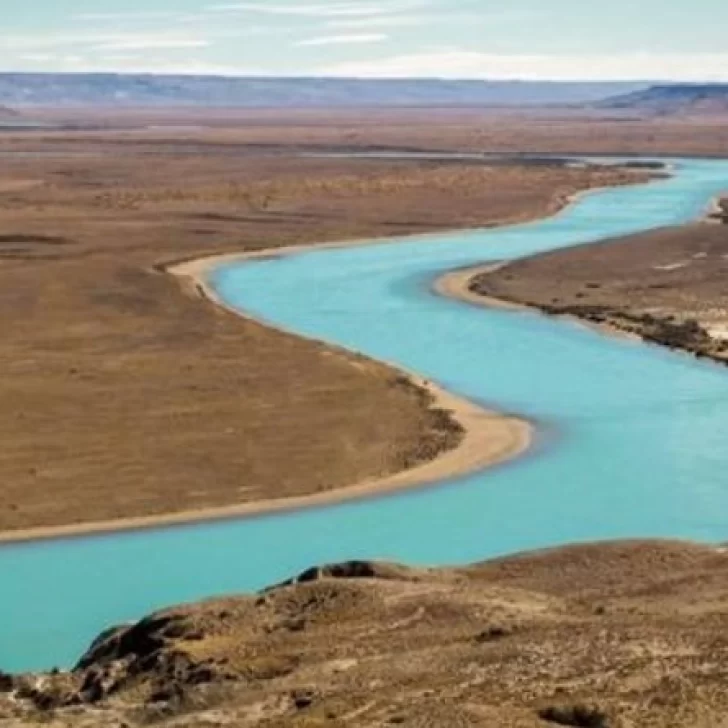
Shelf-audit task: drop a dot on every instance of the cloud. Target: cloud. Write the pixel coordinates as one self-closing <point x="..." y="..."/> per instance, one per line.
<point x="320" y="10"/>
<point x="102" y="40"/>
<point x="142" y="15"/>
<point x="126" y="63"/>
<point x="37" y="57"/>
<point x="140" y="43"/>
<point x="462" y="64"/>
<point x="343" y="39"/>
<point x="378" y="21"/>
<point x="120" y="58"/>
<point x="400" y="18"/>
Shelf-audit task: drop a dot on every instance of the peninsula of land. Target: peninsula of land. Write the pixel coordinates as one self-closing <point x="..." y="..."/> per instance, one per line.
<point x="99" y="337"/>
<point x="664" y="286"/>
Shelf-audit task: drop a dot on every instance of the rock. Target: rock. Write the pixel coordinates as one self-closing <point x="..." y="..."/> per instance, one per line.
<point x="167" y="694"/>
<point x="353" y="570"/>
<point x="7" y="683"/>
<point x="138" y="640"/>
<point x="580" y="716"/>
<point x="303" y="699"/>
<point x="99" y="682"/>
<point x="492" y="634"/>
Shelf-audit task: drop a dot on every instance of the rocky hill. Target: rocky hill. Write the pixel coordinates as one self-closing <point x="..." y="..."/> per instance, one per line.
<point x="607" y="635"/>
<point x="673" y="99"/>
<point x="110" y="89"/>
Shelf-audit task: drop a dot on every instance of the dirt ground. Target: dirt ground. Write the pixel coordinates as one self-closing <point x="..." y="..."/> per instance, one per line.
<point x="629" y="635"/>
<point x="123" y="397"/>
<point x="667" y="286"/>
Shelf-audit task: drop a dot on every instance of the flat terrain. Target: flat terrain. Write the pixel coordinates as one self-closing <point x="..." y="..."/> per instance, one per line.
<point x="124" y="397"/>
<point x="667" y="286"/>
<point x="601" y="636"/>
<point x="555" y="131"/>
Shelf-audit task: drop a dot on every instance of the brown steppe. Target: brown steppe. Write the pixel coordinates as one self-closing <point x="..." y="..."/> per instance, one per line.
<point x="111" y="366"/>
<point x="457" y="129"/>
<point x="629" y="635"/>
<point x="123" y="397"/>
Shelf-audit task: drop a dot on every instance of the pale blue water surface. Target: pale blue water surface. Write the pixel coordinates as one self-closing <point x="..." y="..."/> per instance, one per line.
<point x="631" y="437"/>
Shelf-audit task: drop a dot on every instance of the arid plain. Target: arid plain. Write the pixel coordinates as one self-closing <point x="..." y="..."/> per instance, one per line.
<point x="123" y="395"/>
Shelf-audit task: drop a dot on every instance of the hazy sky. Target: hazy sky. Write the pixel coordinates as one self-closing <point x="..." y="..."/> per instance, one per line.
<point x="631" y="39"/>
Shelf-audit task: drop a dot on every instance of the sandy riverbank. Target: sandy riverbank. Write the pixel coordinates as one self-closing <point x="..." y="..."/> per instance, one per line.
<point x="489" y="439"/>
<point x="456" y="285"/>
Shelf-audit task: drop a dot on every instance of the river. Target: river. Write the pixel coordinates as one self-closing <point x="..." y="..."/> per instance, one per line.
<point x="630" y="438"/>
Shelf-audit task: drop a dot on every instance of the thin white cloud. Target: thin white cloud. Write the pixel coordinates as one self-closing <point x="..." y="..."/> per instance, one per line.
<point x="142" y="15"/>
<point x="37" y="57"/>
<point x="379" y="21"/>
<point x="141" y="44"/>
<point x="123" y="58"/>
<point x="431" y="17"/>
<point x="19" y="43"/>
<point x="320" y="10"/>
<point x="106" y="40"/>
<point x="128" y="63"/>
<point x="327" y="40"/>
<point x="192" y="18"/>
<point x="459" y="64"/>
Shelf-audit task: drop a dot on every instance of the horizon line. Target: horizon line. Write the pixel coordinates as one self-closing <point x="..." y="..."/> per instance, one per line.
<point x="250" y="76"/>
<point x="332" y="77"/>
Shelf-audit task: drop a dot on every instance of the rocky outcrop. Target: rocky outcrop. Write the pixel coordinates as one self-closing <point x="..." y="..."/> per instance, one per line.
<point x="7" y="683"/>
<point x="355" y="570"/>
<point x="145" y="656"/>
<point x="720" y="214"/>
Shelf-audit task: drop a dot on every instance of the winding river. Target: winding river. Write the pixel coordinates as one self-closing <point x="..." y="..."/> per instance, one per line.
<point x="631" y="438"/>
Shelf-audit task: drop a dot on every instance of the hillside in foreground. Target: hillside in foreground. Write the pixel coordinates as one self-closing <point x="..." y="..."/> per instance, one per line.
<point x="606" y="635"/>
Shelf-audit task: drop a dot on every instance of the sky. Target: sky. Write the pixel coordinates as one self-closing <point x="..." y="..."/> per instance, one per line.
<point x="508" y="39"/>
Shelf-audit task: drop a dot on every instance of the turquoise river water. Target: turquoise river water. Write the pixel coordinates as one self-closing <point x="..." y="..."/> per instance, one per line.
<point x="631" y="438"/>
